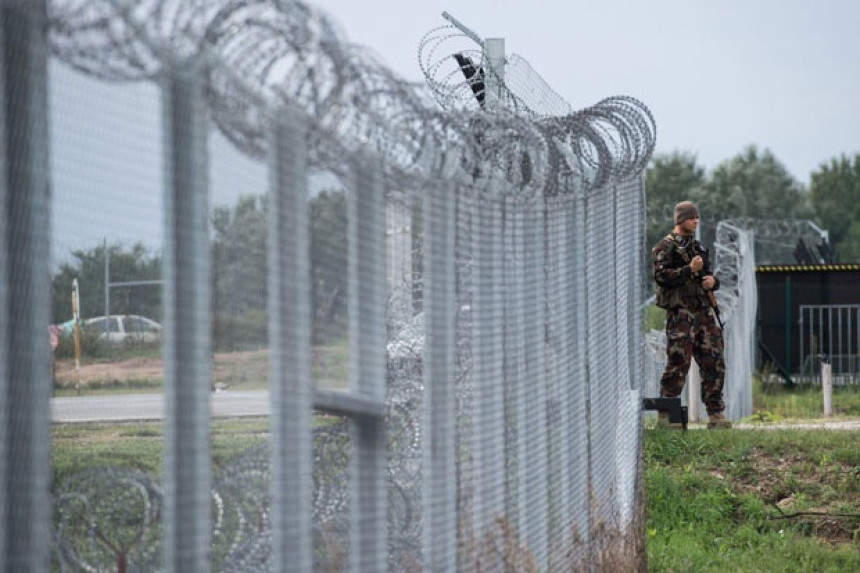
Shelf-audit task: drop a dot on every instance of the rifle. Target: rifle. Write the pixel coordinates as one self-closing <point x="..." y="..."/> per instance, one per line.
<point x="698" y="249"/>
<point x="712" y="300"/>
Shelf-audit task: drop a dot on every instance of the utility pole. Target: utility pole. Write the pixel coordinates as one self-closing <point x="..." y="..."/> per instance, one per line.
<point x="107" y="282"/>
<point x="76" y="315"/>
<point x="109" y="285"/>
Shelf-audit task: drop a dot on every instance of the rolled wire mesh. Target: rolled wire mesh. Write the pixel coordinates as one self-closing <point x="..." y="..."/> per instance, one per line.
<point x="777" y="241"/>
<point x="496" y="426"/>
<point x="738" y="297"/>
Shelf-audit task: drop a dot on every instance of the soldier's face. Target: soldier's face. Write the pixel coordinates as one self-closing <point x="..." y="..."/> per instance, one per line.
<point x="689" y="226"/>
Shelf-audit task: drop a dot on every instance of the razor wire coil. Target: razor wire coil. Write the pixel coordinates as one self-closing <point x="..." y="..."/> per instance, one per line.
<point x="289" y="54"/>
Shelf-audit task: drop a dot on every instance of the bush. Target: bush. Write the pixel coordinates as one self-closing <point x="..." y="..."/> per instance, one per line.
<point x="245" y="331"/>
<point x="654" y="318"/>
<point x="91" y="346"/>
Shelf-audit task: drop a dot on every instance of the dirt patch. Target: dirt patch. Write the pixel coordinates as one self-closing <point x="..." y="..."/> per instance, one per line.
<point x="230" y="369"/>
<point x="123" y="371"/>
<point x="797" y="488"/>
<point x="770" y="473"/>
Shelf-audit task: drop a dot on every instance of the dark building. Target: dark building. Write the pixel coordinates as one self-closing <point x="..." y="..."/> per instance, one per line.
<point x="806" y="311"/>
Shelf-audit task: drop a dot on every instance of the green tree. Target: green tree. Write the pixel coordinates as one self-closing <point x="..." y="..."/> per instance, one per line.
<point x="835" y="193"/>
<point x="328" y="230"/>
<point x="669" y="179"/>
<point x="239" y="253"/>
<point x="239" y="274"/>
<point x="752" y="184"/>
<point x="88" y="267"/>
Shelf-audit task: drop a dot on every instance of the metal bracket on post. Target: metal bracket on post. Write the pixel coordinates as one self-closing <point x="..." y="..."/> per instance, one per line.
<point x="494" y="61"/>
<point x="463" y="28"/>
<point x="677" y="412"/>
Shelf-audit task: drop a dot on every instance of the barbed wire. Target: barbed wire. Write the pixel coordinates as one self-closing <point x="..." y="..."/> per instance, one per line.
<point x="102" y="38"/>
<point x="106" y="516"/>
<point x="266" y="55"/>
<point x="263" y="57"/>
<point x="614" y="138"/>
<point x="112" y="514"/>
<point x="776" y="240"/>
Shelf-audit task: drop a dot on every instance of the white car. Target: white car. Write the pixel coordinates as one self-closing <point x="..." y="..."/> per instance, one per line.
<point x="119" y="329"/>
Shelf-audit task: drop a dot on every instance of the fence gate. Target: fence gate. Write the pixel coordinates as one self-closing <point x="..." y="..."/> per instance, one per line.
<point x="830" y="332"/>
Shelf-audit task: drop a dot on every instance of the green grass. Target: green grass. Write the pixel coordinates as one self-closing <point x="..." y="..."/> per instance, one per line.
<point x="754" y="500"/>
<point x="140" y="446"/>
<point x="774" y="401"/>
<point x="739" y="500"/>
<point x="331" y="364"/>
<point x="95" y="350"/>
<point x="111" y="387"/>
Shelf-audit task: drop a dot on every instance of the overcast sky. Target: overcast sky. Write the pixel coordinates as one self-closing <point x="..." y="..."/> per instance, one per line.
<point x="717" y="75"/>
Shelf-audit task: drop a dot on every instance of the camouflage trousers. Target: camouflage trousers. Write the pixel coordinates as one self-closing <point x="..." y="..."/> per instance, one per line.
<point x="694" y="333"/>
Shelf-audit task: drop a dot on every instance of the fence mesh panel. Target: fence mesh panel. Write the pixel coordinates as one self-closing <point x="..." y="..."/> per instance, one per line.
<point x="324" y="319"/>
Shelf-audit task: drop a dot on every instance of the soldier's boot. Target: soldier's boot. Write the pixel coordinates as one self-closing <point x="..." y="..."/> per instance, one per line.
<point x="718" y="421"/>
<point x="664" y="423"/>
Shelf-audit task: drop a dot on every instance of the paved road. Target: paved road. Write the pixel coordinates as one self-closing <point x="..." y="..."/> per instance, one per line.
<point x="129" y="407"/>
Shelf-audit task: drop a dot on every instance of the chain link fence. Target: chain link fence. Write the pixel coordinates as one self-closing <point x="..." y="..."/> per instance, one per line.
<point x="440" y="299"/>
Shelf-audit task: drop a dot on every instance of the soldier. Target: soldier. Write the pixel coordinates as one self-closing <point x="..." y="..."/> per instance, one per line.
<point x="685" y="286"/>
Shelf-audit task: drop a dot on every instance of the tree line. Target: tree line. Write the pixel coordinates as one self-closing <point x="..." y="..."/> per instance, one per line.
<point x="239" y="274"/>
<point x="755" y="184"/>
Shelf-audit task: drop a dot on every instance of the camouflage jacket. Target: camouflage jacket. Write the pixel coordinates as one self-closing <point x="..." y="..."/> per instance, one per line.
<point x="677" y="285"/>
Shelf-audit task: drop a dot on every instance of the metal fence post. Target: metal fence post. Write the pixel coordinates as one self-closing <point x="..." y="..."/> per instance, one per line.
<point x="602" y="362"/>
<point x="186" y="340"/>
<point x="827" y="387"/>
<point x="290" y="384"/>
<point x="440" y="483"/>
<point x="5" y="420"/>
<point x="367" y="334"/>
<point x="515" y="392"/>
<point x="494" y="52"/>
<point x="536" y="527"/>
<point x="560" y="316"/>
<point x="578" y="385"/>
<point x="637" y="234"/>
<point x="694" y="391"/>
<point x="627" y="440"/>
<point x="399" y="255"/>
<point x="25" y="373"/>
<point x="487" y="352"/>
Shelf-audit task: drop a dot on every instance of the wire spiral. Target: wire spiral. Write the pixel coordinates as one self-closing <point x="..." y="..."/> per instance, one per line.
<point x="265" y="55"/>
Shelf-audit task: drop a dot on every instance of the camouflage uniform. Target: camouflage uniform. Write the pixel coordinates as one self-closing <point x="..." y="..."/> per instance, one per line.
<point x="691" y="330"/>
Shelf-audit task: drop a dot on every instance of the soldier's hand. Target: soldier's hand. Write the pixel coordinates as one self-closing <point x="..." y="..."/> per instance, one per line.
<point x="696" y="264"/>
<point x="708" y="282"/>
